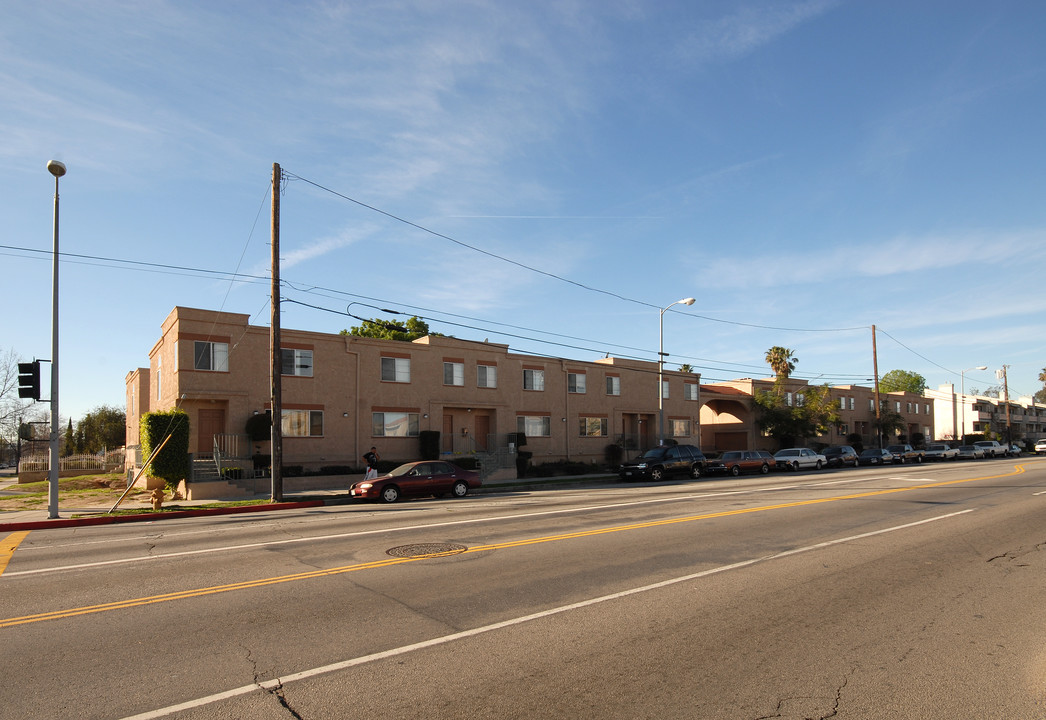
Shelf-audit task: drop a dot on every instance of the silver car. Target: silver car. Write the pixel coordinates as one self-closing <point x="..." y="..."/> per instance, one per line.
<point x="797" y="458"/>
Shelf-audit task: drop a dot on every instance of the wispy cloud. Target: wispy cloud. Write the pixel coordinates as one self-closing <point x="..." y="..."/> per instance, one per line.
<point x="748" y="29"/>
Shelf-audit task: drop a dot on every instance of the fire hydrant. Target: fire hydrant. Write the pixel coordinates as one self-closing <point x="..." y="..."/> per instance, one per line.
<point x="157" y="498"/>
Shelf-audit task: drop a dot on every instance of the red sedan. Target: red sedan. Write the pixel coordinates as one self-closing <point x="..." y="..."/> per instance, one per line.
<point x="427" y="477"/>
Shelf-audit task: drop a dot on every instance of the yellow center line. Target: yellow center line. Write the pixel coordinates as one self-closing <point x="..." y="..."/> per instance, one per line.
<point x="8" y="546"/>
<point x="263" y="582"/>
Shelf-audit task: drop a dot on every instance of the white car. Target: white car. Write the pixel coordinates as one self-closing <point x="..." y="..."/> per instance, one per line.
<point x="940" y="451"/>
<point x="796" y="458"/>
<point x="1040" y="446"/>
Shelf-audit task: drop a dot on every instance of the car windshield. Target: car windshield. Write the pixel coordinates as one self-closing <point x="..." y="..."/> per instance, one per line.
<point x="870" y="452"/>
<point x="403" y="469"/>
<point x="654" y="453"/>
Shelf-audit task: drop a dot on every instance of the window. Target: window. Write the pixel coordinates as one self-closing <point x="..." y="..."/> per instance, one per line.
<point x="159" y="377"/>
<point x="853" y="403"/>
<point x="800" y="399"/>
<point x="394" y="424"/>
<point x="690" y="391"/>
<point x="534" y="425"/>
<point x="871" y="405"/>
<point x="679" y="428"/>
<point x="897" y="406"/>
<point x="302" y="423"/>
<point x="916" y="408"/>
<point x="211" y="356"/>
<point x="296" y="362"/>
<point x="909" y="407"/>
<point x="664" y="389"/>
<point x="576" y="383"/>
<point x="842" y="403"/>
<point x="844" y="429"/>
<point x="613" y="385"/>
<point x="927" y="408"/>
<point x="533" y="379"/>
<point x="395" y="369"/>
<point x="453" y="373"/>
<point x="593" y="426"/>
<point x="788" y="399"/>
<point x="487" y="376"/>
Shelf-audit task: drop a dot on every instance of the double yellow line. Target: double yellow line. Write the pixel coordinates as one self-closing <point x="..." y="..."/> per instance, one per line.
<point x="13" y="540"/>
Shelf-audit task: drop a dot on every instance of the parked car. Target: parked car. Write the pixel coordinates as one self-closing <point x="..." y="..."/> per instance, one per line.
<point x="905" y="454"/>
<point x="796" y="458"/>
<point x="665" y="460"/>
<point x="874" y="456"/>
<point x="1040" y="446"/>
<point x="992" y="448"/>
<point x="768" y="457"/>
<point x="1015" y="450"/>
<point x="840" y="456"/>
<point x="941" y="451"/>
<point x="736" y="462"/>
<point x="427" y="477"/>
<point x="970" y="452"/>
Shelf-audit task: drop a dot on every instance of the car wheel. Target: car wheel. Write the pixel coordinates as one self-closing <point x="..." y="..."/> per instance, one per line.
<point x="919" y="459"/>
<point x="390" y="494"/>
<point x="695" y="471"/>
<point x="460" y="489"/>
<point x="765" y="469"/>
<point x="818" y="465"/>
<point x="657" y="474"/>
<point x="795" y="466"/>
<point x="735" y="470"/>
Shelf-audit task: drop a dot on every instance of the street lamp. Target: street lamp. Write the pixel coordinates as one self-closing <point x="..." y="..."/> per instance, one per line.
<point x="57" y="169"/>
<point x="962" y="399"/>
<point x="661" y="369"/>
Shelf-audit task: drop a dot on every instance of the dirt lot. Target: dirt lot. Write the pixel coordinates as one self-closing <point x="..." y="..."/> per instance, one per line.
<point x="85" y="490"/>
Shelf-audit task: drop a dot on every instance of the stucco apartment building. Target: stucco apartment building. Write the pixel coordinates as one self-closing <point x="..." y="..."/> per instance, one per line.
<point x="960" y="414"/>
<point x="728" y="419"/>
<point x="343" y="394"/>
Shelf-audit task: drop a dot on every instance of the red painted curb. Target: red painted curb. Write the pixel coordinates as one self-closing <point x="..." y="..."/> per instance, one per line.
<point x="150" y="516"/>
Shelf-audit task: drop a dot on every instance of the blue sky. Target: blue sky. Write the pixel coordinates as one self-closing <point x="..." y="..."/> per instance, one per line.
<point x="803" y="169"/>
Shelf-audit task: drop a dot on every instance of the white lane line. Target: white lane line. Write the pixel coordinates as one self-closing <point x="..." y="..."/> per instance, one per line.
<point x="404" y="649"/>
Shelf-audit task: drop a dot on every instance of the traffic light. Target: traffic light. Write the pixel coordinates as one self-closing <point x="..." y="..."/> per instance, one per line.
<point x="29" y="380"/>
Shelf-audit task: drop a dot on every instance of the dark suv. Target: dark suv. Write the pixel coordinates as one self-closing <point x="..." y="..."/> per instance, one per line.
<point x="840" y="456"/>
<point x="659" y="462"/>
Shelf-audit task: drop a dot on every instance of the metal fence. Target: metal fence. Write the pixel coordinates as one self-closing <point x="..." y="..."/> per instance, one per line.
<point x="102" y="462"/>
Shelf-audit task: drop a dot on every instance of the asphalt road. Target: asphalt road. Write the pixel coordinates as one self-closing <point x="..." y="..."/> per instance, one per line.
<point x="905" y="592"/>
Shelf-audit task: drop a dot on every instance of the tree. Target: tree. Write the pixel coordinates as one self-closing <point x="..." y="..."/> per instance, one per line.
<point x="815" y="414"/>
<point x="686" y="368"/>
<point x="172" y="463"/>
<point x="1040" y="396"/>
<point x="412" y="329"/>
<point x="890" y="423"/>
<point x="781" y="360"/>
<point x="902" y="381"/>
<point x="104" y="428"/>
<point x="15" y="412"/>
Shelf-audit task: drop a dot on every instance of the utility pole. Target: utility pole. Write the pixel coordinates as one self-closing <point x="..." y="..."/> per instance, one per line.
<point x="276" y="369"/>
<point x="875" y="369"/>
<point x="1006" y="399"/>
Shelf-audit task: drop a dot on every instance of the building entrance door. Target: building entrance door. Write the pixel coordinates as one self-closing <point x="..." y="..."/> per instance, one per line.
<point x="209" y="424"/>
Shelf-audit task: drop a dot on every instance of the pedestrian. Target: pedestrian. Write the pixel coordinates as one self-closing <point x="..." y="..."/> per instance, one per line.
<point x="372" y="459"/>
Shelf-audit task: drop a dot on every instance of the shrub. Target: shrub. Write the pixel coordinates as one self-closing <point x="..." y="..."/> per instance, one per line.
<point x="613" y="454"/>
<point x="466" y="463"/>
<point x="429" y="442"/>
<point x="171" y="464"/>
<point x="259" y="427"/>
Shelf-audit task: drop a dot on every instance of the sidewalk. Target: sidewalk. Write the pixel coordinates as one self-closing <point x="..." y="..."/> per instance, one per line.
<point x="37" y="519"/>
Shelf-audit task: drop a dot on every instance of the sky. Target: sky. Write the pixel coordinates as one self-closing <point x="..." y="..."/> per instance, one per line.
<point x="546" y="174"/>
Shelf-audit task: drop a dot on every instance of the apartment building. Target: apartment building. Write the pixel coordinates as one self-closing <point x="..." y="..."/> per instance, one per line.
<point x="959" y="414"/>
<point x="343" y="394"/>
<point x="729" y="413"/>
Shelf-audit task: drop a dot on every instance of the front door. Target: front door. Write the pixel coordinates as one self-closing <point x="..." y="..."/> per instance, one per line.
<point x="482" y="432"/>
<point x="211" y="423"/>
<point x="448" y="433"/>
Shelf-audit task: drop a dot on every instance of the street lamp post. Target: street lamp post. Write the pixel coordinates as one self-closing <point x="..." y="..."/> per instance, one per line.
<point x="962" y="400"/>
<point x="661" y="370"/>
<point x="57" y="169"/>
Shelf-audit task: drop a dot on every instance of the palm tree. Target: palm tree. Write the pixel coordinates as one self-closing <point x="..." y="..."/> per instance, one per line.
<point x="781" y="360"/>
<point x="686" y="367"/>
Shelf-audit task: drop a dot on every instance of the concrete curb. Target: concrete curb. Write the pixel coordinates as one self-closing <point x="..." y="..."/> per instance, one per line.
<point x="147" y="516"/>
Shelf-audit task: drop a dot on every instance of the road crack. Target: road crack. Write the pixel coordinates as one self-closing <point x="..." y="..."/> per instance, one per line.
<point x="276" y="690"/>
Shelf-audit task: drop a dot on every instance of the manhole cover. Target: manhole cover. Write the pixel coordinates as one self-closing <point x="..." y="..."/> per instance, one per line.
<point x="426" y="550"/>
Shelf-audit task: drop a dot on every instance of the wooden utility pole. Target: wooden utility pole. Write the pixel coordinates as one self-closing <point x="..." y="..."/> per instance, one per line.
<point x="875" y="369"/>
<point x="276" y="369"/>
<point x="1006" y="399"/>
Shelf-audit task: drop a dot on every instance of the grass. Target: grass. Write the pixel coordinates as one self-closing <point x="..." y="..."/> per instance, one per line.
<point x="95" y="489"/>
